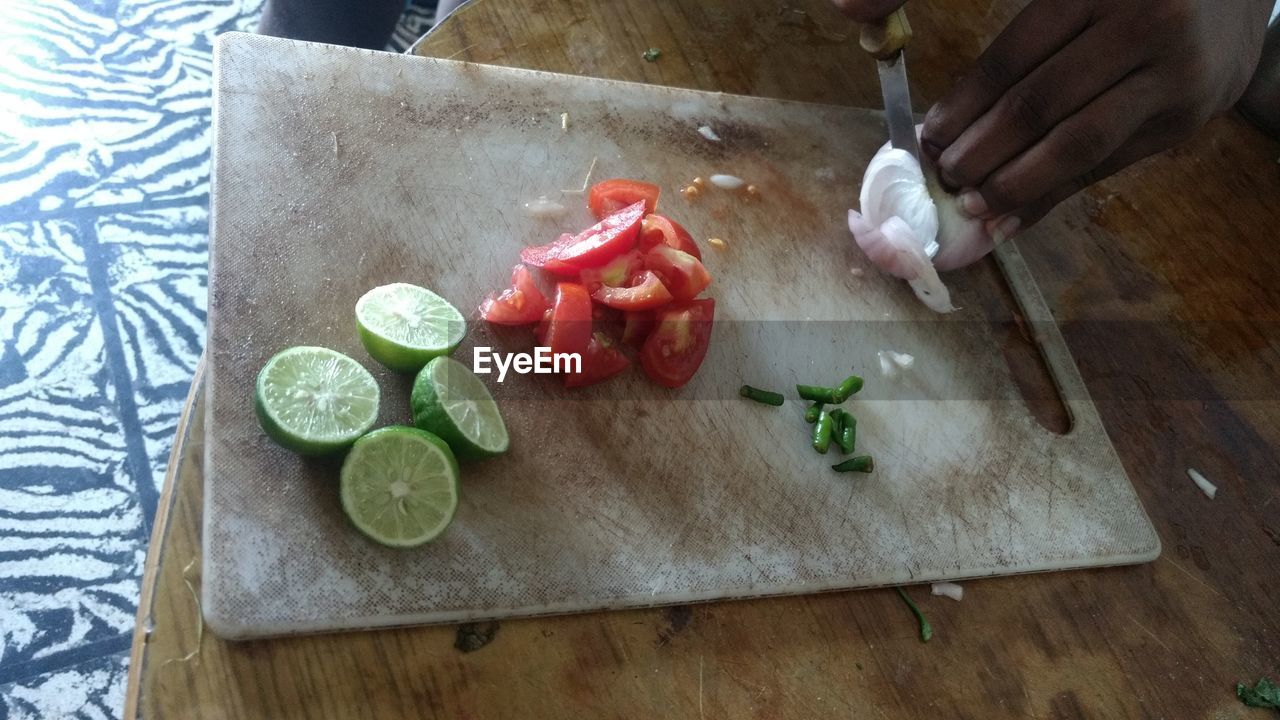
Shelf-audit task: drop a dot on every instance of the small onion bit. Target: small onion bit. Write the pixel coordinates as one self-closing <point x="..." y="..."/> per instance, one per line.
<point x="543" y="208"/>
<point x="728" y="182"/>
<point x="891" y="362"/>
<point x="708" y="133"/>
<point x="947" y="589"/>
<point x="1202" y="482"/>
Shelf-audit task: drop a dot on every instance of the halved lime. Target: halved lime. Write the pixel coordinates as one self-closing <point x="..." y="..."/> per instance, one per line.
<point x="403" y="326"/>
<point x="450" y="401"/>
<point x="314" y="400"/>
<point x="400" y="486"/>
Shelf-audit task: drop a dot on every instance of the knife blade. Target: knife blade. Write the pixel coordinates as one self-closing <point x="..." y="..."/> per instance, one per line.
<point x="897" y="104"/>
<point x="885" y="41"/>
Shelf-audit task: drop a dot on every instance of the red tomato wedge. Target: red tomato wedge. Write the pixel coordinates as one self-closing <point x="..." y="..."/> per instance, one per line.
<point x="676" y="348"/>
<point x="609" y="196"/>
<point x="540" y="332"/>
<point x="661" y="230"/>
<point x="618" y="272"/>
<point x="601" y="362"/>
<point x="682" y="274"/>
<point x="647" y="294"/>
<point x="569" y="330"/>
<point x="547" y="256"/>
<point x="636" y="327"/>
<point x="521" y="304"/>
<point x="591" y="248"/>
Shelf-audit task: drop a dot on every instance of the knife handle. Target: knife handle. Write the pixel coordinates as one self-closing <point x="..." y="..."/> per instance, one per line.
<point x="886" y="38"/>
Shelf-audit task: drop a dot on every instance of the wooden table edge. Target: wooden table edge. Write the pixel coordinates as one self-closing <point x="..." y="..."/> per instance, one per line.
<point x="155" y="547"/>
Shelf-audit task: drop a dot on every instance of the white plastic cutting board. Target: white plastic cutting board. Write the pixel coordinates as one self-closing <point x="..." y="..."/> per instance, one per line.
<point x="337" y="170"/>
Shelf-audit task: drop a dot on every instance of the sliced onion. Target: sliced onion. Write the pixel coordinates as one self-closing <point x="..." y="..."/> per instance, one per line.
<point x="1202" y="482"/>
<point x="728" y="182"/>
<point x="947" y="589"/>
<point x="708" y="133"/>
<point x="893" y="247"/>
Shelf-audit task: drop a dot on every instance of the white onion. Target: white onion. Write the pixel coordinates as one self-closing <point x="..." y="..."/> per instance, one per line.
<point x="946" y="589"/>
<point x="887" y="367"/>
<point x="893" y="247"/>
<point x="727" y="182"/>
<point x="902" y="360"/>
<point x="1202" y="482"/>
<point x="896" y="186"/>
<point x="708" y="133"/>
<point x="543" y="208"/>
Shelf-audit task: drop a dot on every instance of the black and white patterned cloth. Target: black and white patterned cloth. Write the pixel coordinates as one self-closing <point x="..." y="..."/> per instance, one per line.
<point x="104" y="180"/>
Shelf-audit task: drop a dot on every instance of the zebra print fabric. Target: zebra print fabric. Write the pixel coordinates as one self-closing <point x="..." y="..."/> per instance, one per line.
<point x="104" y="164"/>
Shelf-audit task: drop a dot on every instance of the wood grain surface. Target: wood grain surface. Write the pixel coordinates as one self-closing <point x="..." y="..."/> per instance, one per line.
<point x="1165" y="288"/>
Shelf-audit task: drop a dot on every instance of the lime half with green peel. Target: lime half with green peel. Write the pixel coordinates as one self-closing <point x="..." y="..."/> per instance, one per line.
<point x="404" y="326"/>
<point x="400" y="486"/>
<point x="450" y="401"/>
<point x="314" y="400"/>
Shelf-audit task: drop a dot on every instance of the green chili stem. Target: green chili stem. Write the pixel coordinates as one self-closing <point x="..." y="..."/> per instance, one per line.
<point x="811" y="415"/>
<point x="846" y="389"/>
<point x="761" y="396"/>
<point x="926" y="630"/>
<point x="822" y="432"/>
<point x="862" y="464"/>
<point x="817" y="393"/>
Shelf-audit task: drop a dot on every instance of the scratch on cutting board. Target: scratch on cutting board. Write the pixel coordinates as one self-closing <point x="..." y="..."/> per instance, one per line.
<point x="334" y="135"/>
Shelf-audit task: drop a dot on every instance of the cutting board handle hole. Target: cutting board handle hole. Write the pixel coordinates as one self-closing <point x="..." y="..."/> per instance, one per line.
<point x="1022" y="352"/>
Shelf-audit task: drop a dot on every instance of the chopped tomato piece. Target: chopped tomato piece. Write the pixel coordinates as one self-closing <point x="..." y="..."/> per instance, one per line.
<point x="540" y="332"/>
<point x="547" y="256"/>
<point x="604" y="314"/>
<point x="660" y="230"/>
<point x="601" y="362"/>
<point x="591" y="248"/>
<point x="648" y="293"/>
<point x="618" y="272"/>
<point x="521" y="304"/>
<point x="676" y="348"/>
<point x="636" y="327"/>
<point x="682" y="274"/>
<point x="609" y="196"/>
<point x="569" y="330"/>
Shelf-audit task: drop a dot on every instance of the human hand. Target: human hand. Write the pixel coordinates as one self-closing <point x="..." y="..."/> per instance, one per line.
<point x="1072" y="92"/>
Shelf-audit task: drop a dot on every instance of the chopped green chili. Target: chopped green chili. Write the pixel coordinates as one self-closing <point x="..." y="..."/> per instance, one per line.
<point x="822" y="432"/>
<point x="926" y="630"/>
<point x="846" y="389"/>
<point x="761" y="396"/>
<point x="817" y="393"/>
<point x="848" y="433"/>
<point x="652" y="54"/>
<point x="811" y="415"/>
<point x="862" y="463"/>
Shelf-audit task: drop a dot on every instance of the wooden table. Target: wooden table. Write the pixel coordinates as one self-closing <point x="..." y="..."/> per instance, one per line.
<point x="1165" y="282"/>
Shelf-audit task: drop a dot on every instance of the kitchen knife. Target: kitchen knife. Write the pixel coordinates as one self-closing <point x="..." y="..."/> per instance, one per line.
<point x="885" y="41"/>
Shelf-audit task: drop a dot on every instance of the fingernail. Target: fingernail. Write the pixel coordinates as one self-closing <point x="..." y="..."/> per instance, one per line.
<point x="973" y="204"/>
<point x="1004" y="228"/>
